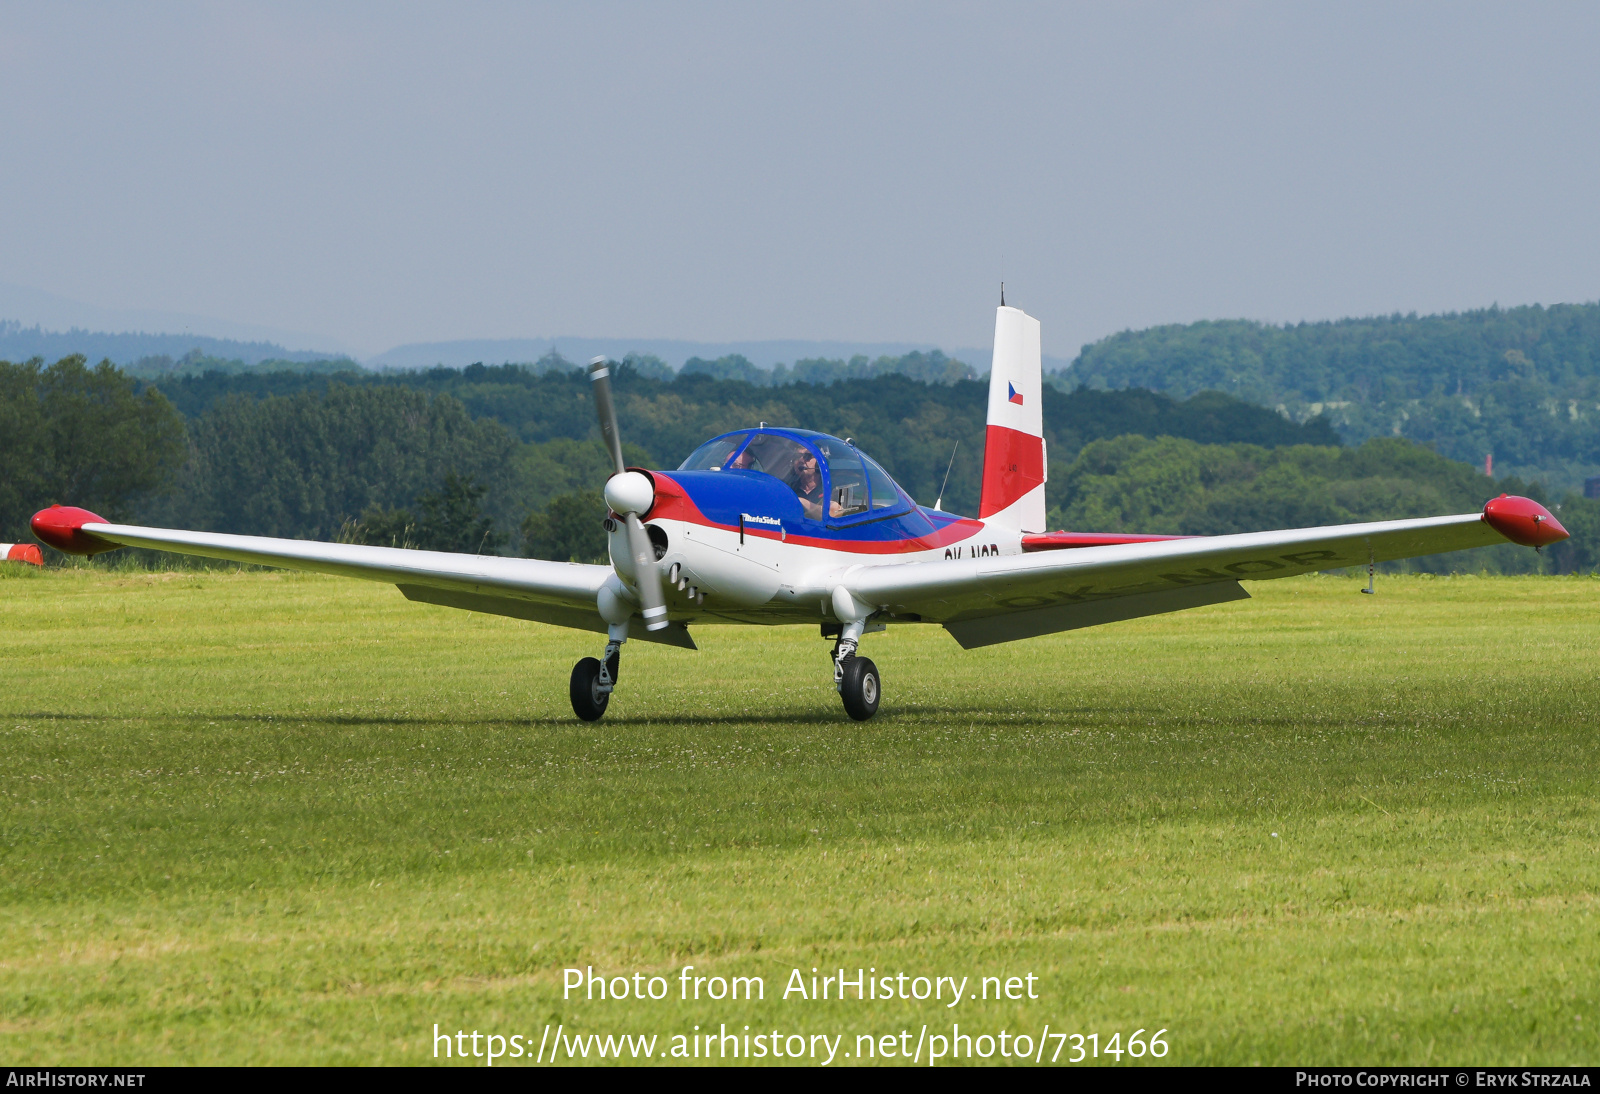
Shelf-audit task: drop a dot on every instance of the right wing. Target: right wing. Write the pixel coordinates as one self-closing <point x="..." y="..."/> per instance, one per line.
<point x="562" y="593"/>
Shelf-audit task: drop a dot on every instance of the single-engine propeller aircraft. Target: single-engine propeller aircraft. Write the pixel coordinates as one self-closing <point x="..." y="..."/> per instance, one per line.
<point x="778" y="525"/>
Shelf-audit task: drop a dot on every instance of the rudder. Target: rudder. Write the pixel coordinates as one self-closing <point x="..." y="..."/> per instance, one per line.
<point x="1014" y="451"/>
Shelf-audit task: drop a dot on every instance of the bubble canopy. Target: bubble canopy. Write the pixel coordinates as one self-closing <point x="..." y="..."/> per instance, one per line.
<point x="833" y="479"/>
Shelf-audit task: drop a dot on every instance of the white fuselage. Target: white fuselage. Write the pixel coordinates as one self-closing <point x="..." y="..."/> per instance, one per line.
<point x="764" y="576"/>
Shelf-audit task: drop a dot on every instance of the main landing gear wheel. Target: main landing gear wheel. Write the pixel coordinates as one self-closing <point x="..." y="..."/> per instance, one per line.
<point x="589" y="702"/>
<point x="860" y="688"/>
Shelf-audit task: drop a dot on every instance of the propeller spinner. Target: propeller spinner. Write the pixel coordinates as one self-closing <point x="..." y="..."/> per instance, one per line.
<point x="629" y="494"/>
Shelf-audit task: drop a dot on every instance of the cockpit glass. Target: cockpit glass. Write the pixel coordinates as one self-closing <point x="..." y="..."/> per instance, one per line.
<point x="884" y="494"/>
<point x="777" y="456"/>
<point x="713" y="454"/>
<point x="849" y="481"/>
<point x="791" y="463"/>
<point x="858" y="485"/>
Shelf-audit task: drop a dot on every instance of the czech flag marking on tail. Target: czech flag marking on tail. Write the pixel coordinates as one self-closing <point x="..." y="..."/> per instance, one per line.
<point x="1013" y="396"/>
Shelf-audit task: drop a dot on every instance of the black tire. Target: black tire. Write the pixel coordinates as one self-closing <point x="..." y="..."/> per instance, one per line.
<point x="588" y="702"/>
<point x="861" y="688"/>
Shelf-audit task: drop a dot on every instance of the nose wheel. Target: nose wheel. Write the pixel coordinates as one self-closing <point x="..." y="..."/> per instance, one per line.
<point x="593" y="682"/>
<point x="856" y="677"/>
<point x="860" y="688"/>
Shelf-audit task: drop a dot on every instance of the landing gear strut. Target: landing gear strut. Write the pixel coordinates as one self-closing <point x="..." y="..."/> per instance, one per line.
<point x="856" y="677"/>
<point x="593" y="681"/>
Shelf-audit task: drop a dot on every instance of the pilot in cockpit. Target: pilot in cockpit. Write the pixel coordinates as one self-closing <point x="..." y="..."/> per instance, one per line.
<point x="791" y="463"/>
<point x="805" y="479"/>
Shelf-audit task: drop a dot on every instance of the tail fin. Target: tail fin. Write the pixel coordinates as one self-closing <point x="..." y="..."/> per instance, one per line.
<point x="1013" y="454"/>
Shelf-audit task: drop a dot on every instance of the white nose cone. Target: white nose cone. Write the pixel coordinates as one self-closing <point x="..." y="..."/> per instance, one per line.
<point x="630" y="492"/>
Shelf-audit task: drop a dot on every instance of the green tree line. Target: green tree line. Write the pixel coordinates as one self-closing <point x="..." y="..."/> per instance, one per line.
<point x="84" y="436"/>
<point x="1174" y="486"/>
<point x="931" y="368"/>
<point x="300" y="465"/>
<point x="507" y="457"/>
<point x="909" y="425"/>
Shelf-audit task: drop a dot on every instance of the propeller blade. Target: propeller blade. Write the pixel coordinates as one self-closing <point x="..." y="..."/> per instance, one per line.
<point x="652" y="600"/>
<point x="600" y="377"/>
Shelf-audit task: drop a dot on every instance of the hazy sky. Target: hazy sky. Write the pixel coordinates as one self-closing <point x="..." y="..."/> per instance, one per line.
<point x="379" y="174"/>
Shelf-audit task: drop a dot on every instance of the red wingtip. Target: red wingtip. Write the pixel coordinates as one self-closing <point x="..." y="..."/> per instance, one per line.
<point x="61" y="526"/>
<point x="1524" y="521"/>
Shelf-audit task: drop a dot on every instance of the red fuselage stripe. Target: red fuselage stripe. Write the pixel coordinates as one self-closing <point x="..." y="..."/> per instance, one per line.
<point x="1059" y="541"/>
<point x="672" y="503"/>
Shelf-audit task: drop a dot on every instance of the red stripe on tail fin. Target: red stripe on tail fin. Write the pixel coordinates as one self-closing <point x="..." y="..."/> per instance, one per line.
<point x="1013" y="464"/>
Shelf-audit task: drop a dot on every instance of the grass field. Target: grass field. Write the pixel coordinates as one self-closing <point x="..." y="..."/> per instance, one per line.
<point x="275" y="818"/>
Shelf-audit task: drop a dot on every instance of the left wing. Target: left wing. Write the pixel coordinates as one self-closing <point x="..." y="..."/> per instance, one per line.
<point x="562" y="593"/>
<point x="1003" y="598"/>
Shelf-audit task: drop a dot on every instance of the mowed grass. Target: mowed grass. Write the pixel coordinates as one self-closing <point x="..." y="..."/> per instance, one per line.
<point x="278" y="818"/>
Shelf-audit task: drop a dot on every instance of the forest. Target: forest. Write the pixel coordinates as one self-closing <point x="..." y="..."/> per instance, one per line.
<point x="506" y="458"/>
<point x="1522" y="384"/>
<point x="546" y="416"/>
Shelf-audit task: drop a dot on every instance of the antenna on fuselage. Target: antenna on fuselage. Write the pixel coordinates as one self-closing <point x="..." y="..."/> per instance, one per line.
<point x="940" y="500"/>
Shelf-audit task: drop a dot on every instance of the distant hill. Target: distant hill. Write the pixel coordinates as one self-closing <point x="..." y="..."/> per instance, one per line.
<point x="1522" y="383"/>
<point x="674" y="352"/>
<point x="197" y="364"/>
<point x="131" y="348"/>
<point x="19" y="343"/>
